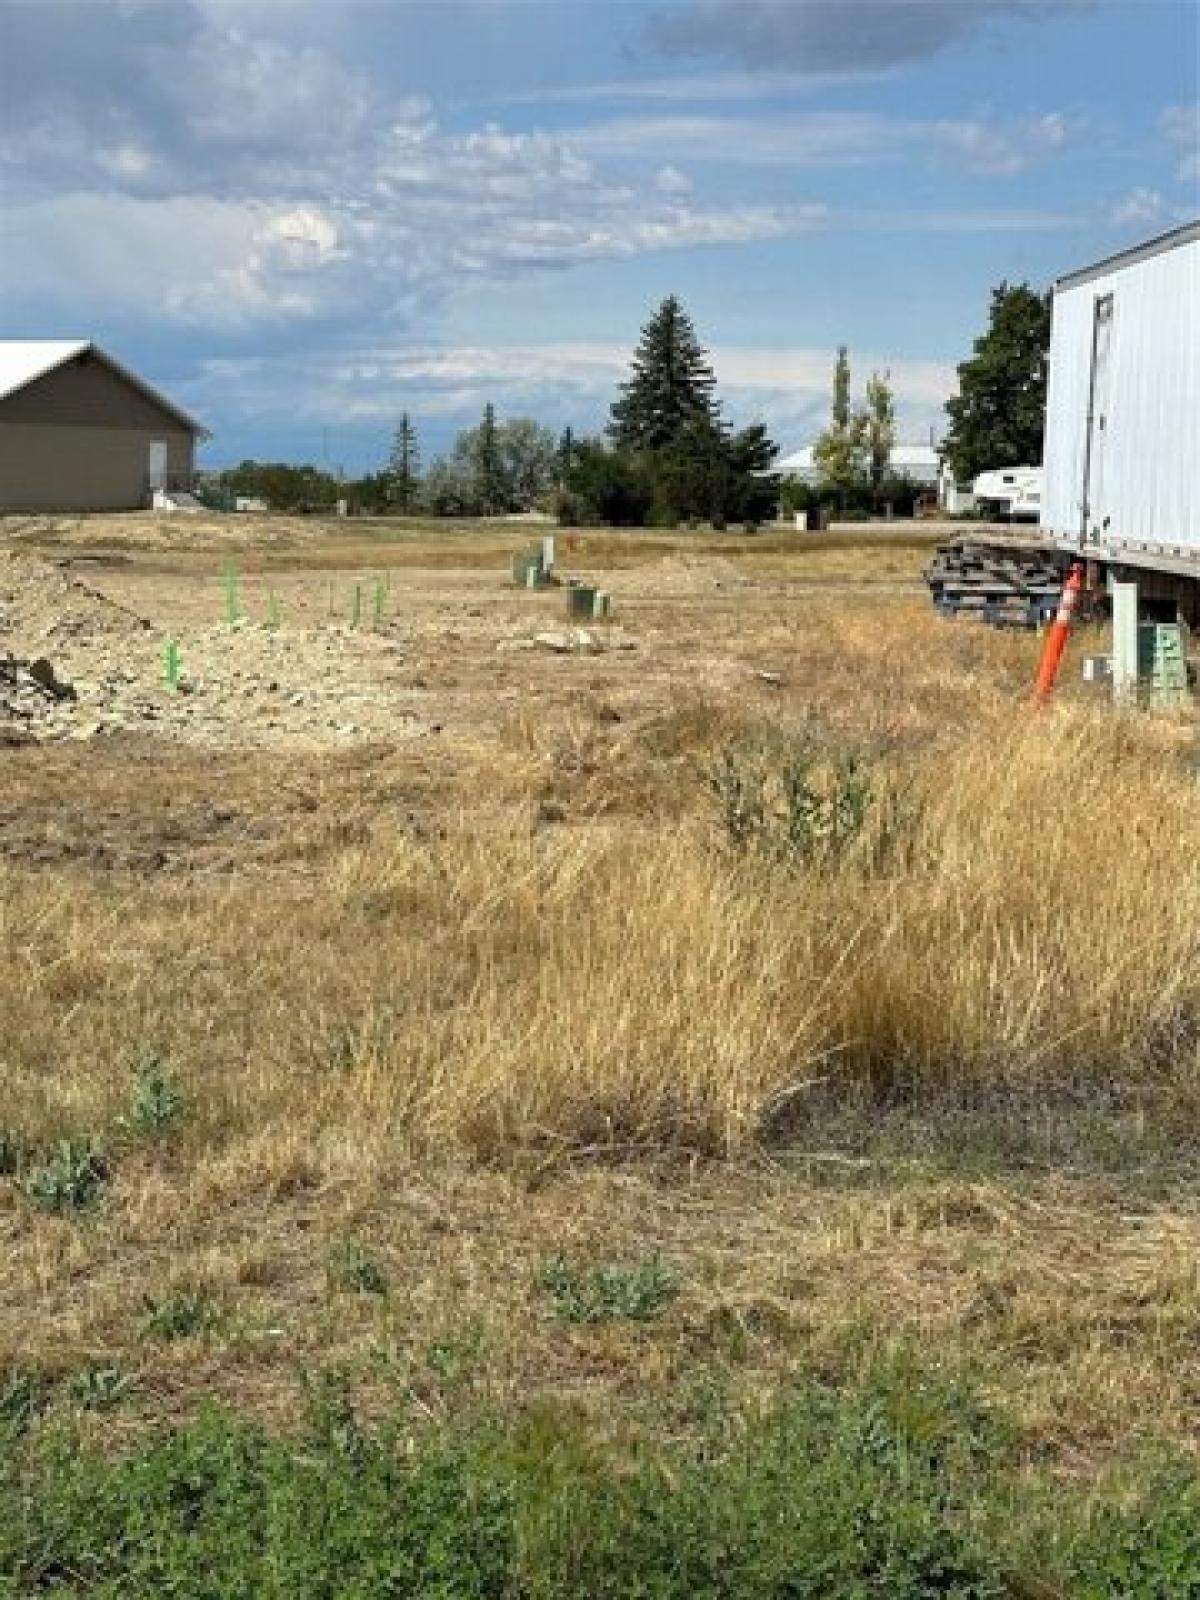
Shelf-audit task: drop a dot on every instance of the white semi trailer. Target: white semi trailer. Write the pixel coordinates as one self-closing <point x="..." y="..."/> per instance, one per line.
<point x="1121" y="477"/>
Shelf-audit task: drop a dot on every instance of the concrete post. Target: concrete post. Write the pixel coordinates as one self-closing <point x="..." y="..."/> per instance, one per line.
<point x="1125" y="642"/>
<point x="548" y="554"/>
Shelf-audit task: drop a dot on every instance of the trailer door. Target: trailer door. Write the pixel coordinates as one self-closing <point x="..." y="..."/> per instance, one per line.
<point x="1095" y="507"/>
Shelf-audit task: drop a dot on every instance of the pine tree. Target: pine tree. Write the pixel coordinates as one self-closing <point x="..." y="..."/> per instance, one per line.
<point x="488" y="468"/>
<point x="404" y="465"/>
<point x="998" y="416"/>
<point x="566" y="454"/>
<point x="671" y="387"/>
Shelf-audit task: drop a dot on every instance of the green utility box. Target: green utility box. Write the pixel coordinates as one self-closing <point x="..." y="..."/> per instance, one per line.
<point x="527" y="570"/>
<point x="1162" y="661"/>
<point x="587" y="604"/>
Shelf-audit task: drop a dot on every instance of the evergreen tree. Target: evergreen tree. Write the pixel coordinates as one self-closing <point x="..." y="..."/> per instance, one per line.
<point x="998" y="416"/>
<point x="670" y="388"/>
<point x="565" y="454"/>
<point x="753" y="490"/>
<point x="879" y="426"/>
<point x="404" y="465"/>
<point x="488" y="468"/>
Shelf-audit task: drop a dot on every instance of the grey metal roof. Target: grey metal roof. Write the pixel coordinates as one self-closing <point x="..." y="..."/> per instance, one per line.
<point x="1187" y="234"/>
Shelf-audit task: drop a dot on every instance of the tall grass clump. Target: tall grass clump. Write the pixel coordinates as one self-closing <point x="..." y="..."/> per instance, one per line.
<point x="1015" y="918"/>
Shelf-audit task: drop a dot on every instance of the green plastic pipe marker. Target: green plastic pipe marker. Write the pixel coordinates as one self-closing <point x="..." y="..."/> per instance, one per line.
<point x="172" y="665"/>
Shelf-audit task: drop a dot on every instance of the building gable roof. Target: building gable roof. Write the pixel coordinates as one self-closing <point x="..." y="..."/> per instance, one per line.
<point x="921" y="457"/>
<point x="24" y="361"/>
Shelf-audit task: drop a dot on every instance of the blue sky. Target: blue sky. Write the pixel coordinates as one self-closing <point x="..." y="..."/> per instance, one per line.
<point x="301" y="218"/>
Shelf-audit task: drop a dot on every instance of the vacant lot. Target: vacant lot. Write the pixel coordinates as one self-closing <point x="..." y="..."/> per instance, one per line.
<point x="646" y="1024"/>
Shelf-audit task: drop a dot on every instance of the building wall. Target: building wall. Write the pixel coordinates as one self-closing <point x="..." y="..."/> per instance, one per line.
<point x="79" y="440"/>
<point x="1148" y="499"/>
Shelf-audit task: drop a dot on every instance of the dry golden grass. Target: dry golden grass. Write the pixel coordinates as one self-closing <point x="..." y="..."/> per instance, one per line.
<point x="521" y="994"/>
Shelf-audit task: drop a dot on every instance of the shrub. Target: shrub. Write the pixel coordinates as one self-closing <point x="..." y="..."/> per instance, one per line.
<point x="793" y="802"/>
<point x="71" y="1180"/>
<point x="156" y="1100"/>
<point x="608" y="1294"/>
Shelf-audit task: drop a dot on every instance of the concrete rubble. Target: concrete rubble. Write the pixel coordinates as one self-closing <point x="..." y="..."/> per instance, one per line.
<point x="75" y="665"/>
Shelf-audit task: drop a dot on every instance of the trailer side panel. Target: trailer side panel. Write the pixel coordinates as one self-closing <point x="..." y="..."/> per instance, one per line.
<point x="1123" y="410"/>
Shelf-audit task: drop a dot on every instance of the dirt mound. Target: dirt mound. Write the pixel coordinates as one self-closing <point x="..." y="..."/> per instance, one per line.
<point x="75" y="664"/>
<point x="155" y="530"/>
<point x="42" y="606"/>
<point x="685" y="574"/>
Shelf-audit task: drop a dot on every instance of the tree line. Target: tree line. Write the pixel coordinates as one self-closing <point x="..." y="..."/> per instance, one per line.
<point x="668" y="455"/>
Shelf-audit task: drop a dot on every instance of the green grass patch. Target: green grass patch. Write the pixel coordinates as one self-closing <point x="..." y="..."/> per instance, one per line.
<point x="901" y="1489"/>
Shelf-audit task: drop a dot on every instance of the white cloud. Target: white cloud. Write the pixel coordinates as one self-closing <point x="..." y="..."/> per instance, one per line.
<point x="693" y="88"/>
<point x="786" y="386"/>
<point x="669" y="180"/>
<point x="193" y="260"/>
<point x="1140" y="207"/>
<point x="128" y="162"/>
<point x="827" y="138"/>
<point x="208" y="175"/>
<point x="255" y="94"/>
<point x="1180" y="127"/>
<point x="304" y="235"/>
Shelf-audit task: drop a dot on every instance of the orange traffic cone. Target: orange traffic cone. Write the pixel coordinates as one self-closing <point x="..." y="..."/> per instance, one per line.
<point x="1056" y="639"/>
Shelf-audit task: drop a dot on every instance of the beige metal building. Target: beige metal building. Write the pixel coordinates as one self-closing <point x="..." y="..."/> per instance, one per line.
<point x="78" y="432"/>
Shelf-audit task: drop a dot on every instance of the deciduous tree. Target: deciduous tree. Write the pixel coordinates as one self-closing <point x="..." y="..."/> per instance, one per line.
<point x="998" y="416"/>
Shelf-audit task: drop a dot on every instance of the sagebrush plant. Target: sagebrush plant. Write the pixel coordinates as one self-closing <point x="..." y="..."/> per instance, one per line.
<point x="805" y="805"/>
<point x="99" y="1388"/>
<point x="156" y="1101"/>
<point x="636" y="1292"/>
<point x="72" y="1179"/>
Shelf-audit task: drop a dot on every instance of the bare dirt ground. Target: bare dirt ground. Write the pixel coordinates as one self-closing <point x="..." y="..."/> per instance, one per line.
<point x="325" y="651"/>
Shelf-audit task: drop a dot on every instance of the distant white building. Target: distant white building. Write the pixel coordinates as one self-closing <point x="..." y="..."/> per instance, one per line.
<point x="919" y="463"/>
